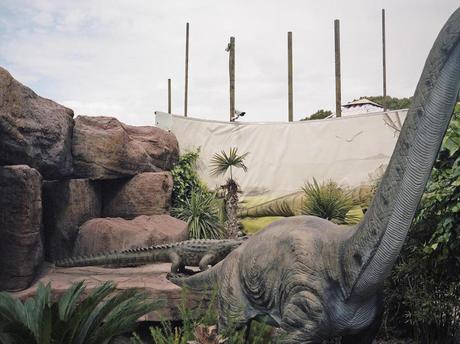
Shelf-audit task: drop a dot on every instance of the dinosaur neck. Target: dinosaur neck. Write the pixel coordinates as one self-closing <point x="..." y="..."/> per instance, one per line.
<point x="368" y="255"/>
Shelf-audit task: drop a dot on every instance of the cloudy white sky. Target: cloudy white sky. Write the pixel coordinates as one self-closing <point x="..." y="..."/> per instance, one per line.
<point x="113" y="57"/>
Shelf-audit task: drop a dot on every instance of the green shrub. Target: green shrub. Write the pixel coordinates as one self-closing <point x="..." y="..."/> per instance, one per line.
<point x="259" y="333"/>
<point x="95" y="320"/>
<point x="423" y="292"/>
<point x="201" y="213"/>
<point x="185" y="178"/>
<point x="327" y="200"/>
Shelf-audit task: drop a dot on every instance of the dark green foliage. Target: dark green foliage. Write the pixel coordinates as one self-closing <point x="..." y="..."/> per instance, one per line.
<point x="95" y="320"/>
<point x="168" y="334"/>
<point x="327" y="200"/>
<point x="393" y="103"/>
<point x="423" y="293"/>
<point x="222" y="161"/>
<point x="201" y="213"/>
<point x="185" y="178"/>
<point x="320" y="114"/>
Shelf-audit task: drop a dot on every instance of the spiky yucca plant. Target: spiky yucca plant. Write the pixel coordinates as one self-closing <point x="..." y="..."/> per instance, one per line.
<point x="201" y="213"/>
<point x="327" y="200"/>
<point x="220" y="164"/>
<point x="101" y="316"/>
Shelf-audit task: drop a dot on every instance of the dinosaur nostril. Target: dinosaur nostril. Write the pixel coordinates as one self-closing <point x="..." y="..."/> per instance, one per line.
<point x="358" y="259"/>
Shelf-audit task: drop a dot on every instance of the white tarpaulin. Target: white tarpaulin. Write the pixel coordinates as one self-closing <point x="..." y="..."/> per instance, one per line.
<point x="283" y="156"/>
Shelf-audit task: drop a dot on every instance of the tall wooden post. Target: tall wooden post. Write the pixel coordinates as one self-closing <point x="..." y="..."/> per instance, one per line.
<point x="384" y="63"/>
<point x="186" y="69"/>
<point x="231" y="67"/>
<point x="290" y="88"/>
<point x="169" y="95"/>
<point x="338" y="87"/>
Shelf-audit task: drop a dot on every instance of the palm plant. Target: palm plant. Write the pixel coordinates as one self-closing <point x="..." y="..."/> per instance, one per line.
<point x="327" y="200"/>
<point x="220" y="164"/>
<point x="201" y="213"/>
<point x="95" y="320"/>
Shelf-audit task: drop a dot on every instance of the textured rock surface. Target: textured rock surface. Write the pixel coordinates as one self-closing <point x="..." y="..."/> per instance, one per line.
<point x="21" y="248"/>
<point x="103" y="147"/>
<point x="34" y="130"/>
<point x="151" y="278"/>
<point x="67" y="204"/>
<point x="147" y="193"/>
<point x="109" y="234"/>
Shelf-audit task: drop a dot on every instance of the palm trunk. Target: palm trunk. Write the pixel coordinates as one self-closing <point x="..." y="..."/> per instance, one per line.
<point x="231" y="207"/>
<point x="368" y="255"/>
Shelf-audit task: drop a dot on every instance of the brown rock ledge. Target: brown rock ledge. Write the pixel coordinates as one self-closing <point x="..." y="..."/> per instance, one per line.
<point x="151" y="278"/>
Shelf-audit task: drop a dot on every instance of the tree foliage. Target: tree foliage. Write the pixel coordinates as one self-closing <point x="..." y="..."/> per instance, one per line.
<point x="393" y="103"/>
<point x="185" y="178"/>
<point x="424" y="288"/>
<point x="320" y="114"/>
<point x="101" y="316"/>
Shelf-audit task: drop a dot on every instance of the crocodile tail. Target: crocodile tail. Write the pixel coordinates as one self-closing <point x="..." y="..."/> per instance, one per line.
<point x="202" y="281"/>
<point x="141" y="256"/>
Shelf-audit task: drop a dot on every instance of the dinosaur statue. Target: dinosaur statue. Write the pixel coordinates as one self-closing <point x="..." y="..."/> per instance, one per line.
<point x="315" y="280"/>
<point x="200" y="253"/>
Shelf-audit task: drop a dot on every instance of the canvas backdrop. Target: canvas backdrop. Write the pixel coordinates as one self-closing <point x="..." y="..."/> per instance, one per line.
<point x="284" y="156"/>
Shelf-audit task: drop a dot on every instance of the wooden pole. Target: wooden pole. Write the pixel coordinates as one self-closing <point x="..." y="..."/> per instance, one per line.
<point x="290" y="88"/>
<point x="186" y="69"/>
<point x="169" y="95"/>
<point x="338" y="88"/>
<point x="384" y="63"/>
<point x="232" y="77"/>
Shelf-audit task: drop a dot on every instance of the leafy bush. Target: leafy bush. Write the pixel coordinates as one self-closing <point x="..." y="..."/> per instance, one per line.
<point x="259" y="333"/>
<point x="185" y="178"/>
<point x="327" y="200"/>
<point x="320" y="114"/>
<point x="95" y="320"/>
<point x="424" y="288"/>
<point x="201" y="213"/>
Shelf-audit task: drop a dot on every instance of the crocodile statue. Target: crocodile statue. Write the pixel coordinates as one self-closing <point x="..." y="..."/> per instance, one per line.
<point x="315" y="280"/>
<point x="201" y="253"/>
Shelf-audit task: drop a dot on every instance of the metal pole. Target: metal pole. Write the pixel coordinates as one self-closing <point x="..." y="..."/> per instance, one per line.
<point x="384" y="63"/>
<point x="186" y="69"/>
<point x="232" y="77"/>
<point x="169" y="95"/>
<point x="338" y="88"/>
<point x="290" y="88"/>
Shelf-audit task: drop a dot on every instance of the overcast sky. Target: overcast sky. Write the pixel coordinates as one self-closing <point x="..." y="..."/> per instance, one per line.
<point x="110" y="57"/>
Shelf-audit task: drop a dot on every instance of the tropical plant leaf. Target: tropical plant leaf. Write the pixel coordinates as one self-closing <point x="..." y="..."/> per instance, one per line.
<point x="327" y="200"/>
<point x="202" y="216"/>
<point x="101" y="316"/>
<point x="222" y="161"/>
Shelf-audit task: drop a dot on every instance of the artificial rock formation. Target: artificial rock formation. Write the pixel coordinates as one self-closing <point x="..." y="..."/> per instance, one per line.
<point x="147" y="193"/>
<point x="34" y="130"/>
<point x="115" y="234"/>
<point x="103" y="148"/>
<point x="67" y="204"/>
<point x="21" y="248"/>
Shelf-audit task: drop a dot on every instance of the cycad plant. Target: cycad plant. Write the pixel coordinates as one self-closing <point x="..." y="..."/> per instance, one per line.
<point x="96" y="319"/>
<point x="327" y="200"/>
<point x="220" y="164"/>
<point x="201" y="213"/>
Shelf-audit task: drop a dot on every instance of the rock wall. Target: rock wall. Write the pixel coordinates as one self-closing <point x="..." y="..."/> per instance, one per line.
<point x="103" y="182"/>
<point x="21" y="245"/>
<point x="67" y="204"/>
